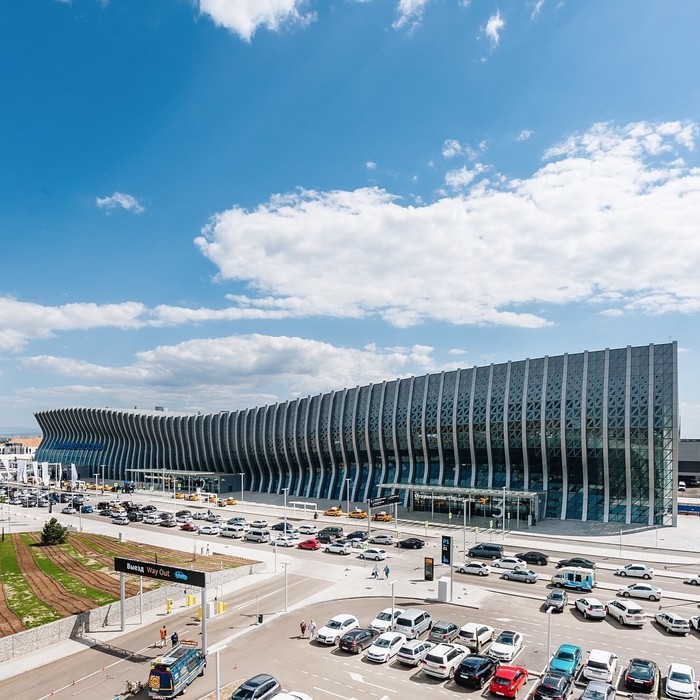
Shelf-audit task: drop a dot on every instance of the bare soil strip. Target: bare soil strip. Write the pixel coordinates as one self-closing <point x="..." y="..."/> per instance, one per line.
<point x="9" y="622"/>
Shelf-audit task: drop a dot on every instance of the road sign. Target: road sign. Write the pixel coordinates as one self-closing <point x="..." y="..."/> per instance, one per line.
<point x="446" y="550"/>
<point x="160" y="571"/>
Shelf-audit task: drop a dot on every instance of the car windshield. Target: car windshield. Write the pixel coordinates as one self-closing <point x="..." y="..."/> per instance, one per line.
<point x="384" y="616"/>
<point x="334" y="624"/>
<point x="565" y="655"/>
<point x="548" y="689"/>
<point x="556" y="595"/>
<point x="679" y="677"/>
<point x="383" y="643"/>
<point x="593" y="694"/>
<point x="641" y="670"/>
<point x="599" y="665"/>
<point x="506" y="638"/>
<point x="501" y="681"/>
<point x="243" y="694"/>
<point x="441" y="629"/>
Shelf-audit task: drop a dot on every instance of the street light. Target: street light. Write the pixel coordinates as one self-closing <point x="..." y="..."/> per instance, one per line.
<point x="549" y="633"/>
<point x="503" y="512"/>
<point x="102" y="467"/>
<point x="242" y="475"/>
<point x="347" y="493"/>
<point x="285" y="491"/>
<point x="215" y="650"/>
<point x="392" y="584"/>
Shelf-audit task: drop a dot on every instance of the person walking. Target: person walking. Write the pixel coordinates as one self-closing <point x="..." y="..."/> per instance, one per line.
<point x="163" y="635"/>
<point x="174" y="639"/>
<point x="375" y="572"/>
<point x="387" y="571"/>
<point x="312" y="629"/>
<point x="302" y="629"/>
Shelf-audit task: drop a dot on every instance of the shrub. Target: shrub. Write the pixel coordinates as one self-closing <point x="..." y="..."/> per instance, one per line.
<point x="53" y="533"/>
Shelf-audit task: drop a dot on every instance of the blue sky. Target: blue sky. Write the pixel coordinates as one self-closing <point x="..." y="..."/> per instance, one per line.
<point x="216" y="204"/>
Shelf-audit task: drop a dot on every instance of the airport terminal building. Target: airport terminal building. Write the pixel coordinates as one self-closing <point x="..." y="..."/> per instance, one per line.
<point x="586" y="436"/>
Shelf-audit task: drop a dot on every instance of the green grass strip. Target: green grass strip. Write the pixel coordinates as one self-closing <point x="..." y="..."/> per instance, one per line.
<point x="19" y="596"/>
<point x="70" y="582"/>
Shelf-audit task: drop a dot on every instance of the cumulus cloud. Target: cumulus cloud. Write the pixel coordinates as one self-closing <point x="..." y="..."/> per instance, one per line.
<point x="460" y="178"/>
<point x="245" y="17"/>
<point x="409" y="13"/>
<point x="493" y="28"/>
<point x="370" y="165"/>
<point x="119" y="199"/>
<point x="537" y="8"/>
<point x="609" y="218"/>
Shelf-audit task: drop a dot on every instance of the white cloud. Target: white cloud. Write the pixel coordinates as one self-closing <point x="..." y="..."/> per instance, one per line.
<point x="370" y="165"/>
<point x="537" y="8"/>
<point x="524" y="135"/>
<point x="493" y="28"/>
<point x="460" y="178"/>
<point x="605" y="220"/>
<point x="409" y="13"/>
<point x="244" y="17"/>
<point x="451" y="148"/>
<point x="119" y="199"/>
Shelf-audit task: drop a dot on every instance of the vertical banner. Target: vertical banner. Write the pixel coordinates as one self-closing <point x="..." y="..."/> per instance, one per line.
<point x="446" y="549"/>
<point x="45" y="473"/>
<point x="73" y="475"/>
<point x="22" y="471"/>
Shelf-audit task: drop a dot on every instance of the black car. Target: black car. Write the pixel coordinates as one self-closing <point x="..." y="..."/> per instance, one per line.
<point x="357" y="640"/>
<point x="554" y="686"/>
<point x="641" y="675"/>
<point x="410" y="543"/>
<point x="580" y="562"/>
<point x="281" y="527"/>
<point x="135" y="516"/>
<point x="105" y="512"/>
<point x="475" y="671"/>
<point x="326" y="537"/>
<point x="357" y="535"/>
<point x="149" y="509"/>
<point x="534" y="558"/>
<point x="102" y="505"/>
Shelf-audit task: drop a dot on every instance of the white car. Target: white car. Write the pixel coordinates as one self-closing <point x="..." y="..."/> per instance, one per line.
<point x="626" y="612"/>
<point x="183" y="518"/>
<point x="508" y="563"/>
<point x="386" y="540"/>
<point x="414" y="651"/>
<point x="307" y="530"/>
<point x="474" y="635"/>
<point x="199" y="515"/>
<point x="336" y="627"/>
<point x="338" y="547"/>
<point x="506" y="646"/>
<point x="120" y="520"/>
<point x="375" y="554"/>
<point x="476" y="568"/>
<point x="680" y="682"/>
<point x="442" y="660"/>
<point x="695" y="622"/>
<point x="636" y="570"/>
<point x="283" y="541"/>
<point x="383" y="622"/>
<point x="673" y="622"/>
<point x="693" y="580"/>
<point x="212" y="529"/>
<point x="152" y="519"/>
<point x="641" y="590"/>
<point x="260" y="524"/>
<point x="385" y="647"/>
<point x="590" y="607"/>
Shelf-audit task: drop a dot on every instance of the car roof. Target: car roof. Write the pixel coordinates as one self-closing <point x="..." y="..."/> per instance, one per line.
<point x="509" y="671"/>
<point x="342" y="616"/>
<point x="569" y="647"/>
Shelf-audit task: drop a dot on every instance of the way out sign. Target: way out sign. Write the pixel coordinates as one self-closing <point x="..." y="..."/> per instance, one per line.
<point x="171" y="574"/>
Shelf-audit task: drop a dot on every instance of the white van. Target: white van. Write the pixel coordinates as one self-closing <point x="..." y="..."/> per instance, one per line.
<point x="600" y="666"/>
<point x="681" y="485"/>
<point x="413" y="622"/>
<point x="232" y="531"/>
<point x="257" y="535"/>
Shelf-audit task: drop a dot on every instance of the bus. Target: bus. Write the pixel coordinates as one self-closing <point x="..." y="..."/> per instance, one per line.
<point x="171" y="673"/>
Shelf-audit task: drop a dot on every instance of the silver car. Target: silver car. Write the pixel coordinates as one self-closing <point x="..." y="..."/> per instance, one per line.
<point x="524" y="575"/>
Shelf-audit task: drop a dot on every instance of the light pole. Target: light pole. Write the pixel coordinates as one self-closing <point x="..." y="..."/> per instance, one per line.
<point x="464" y="513"/>
<point x="217" y="678"/>
<point x="285" y="491"/>
<point x="95" y="475"/>
<point x="503" y="512"/>
<point x="392" y="584"/>
<point x="102" y="467"/>
<point x="242" y="475"/>
<point x="549" y="634"/>
<point x="347" y="493"/>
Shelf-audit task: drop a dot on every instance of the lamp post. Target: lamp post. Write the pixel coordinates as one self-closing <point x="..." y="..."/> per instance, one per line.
<point x="347" y="493"/>
<point x="393" y="613"/>
<point x="95" y="475"/>
<point x="549" y="634"/>
<point x="217" y="678"/>
<point x="503" y="512"/>
<point x="242" y="475"/>
<point x="285" y="491"/>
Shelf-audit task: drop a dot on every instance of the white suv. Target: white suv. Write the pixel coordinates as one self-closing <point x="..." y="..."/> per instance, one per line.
<point x="442" y="660"/>
<point x="600" y="666"/>
<point x="338" y="547"/>
<point x="384" y="622"/>
<point x="673" y="622"/>
<point x="626" y="612"/>
<point x="475" y="635"/>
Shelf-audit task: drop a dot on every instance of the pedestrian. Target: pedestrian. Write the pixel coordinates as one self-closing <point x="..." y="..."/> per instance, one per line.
<point x="174" y="639"/>
<point x="207" y="549"/>
<point x="312" y="629"/>
<point x="387" y="571"/>
<point x="302" y="628"/>
<point x="375" y="572"/>
<point x="163" y="635"/>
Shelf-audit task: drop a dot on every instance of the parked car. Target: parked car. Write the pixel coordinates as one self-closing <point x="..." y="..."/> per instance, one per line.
<point x="283" y="541"/>
<point x="168" y="522"/>
<point x="210" y="529"/>
<point x="693" y="580"/>
<point x="68" y="510"/>
<point x="598" y="690"/>
<point x="590" y="607"/>
<point x="486" y="550"/>
<point x="120" y="520"/>
<point x="443" y="631"/>
<point x="411" y="543"/>
<point x="386" y="619"/>
<point x="358" y="535"/>
<point x="357" y="640"/>
<point x="151" y="519"/>
<point x="307" y="529"/>
<point x="373" y="554"/>
<point x="534" y="558"/>
<point x="87" y="509"/>
<point x="413" y="651"/>
<point x="261" y="524"/>
<point x="476" y="568"/>
<point x="189" y="526"/>
<point x="507" y="681"/>
<point x="641" y="674"/>
<point x="135" y="516"/>
<point x="695" y="622"/>
<point x="381" y="539"/>
<point x="680" y="682"/>
<point x="506" y="646"/>
<point x="385" y="647"/>
<point x="567" y="659"/>
<point x="382" y="517"/>
<point x="600" y="666"/>
<point x="557" y="600"/>
<point x="580" y="562"/>
<point x="475" y="671"/>
<point x="641" y="590"/>
<point x="508" y="563"/>
<point x="636" y="570"/>
<point x="672" y="622"/>
<point x="554" y="686"/>
<point x="524" y="575"/>
<point x="474" y="635"/>
<point x="338" y="547"/>
<point x="626" y="612"/>
<point x="358" y="513"/>
<point x="333" y="511"/>
<point x="443" y="659"/>
<point x="281" y="527"/>
<point x="200" y="515"/>
<point x="260" y="687"/>
<point x="336" y="627"/>
<point x="311" y="543"/>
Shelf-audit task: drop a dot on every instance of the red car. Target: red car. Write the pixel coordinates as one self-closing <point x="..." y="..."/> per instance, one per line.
<point x="507" y="681"/>
<point x="190" y="526"/>
<point x="311" y="543"/>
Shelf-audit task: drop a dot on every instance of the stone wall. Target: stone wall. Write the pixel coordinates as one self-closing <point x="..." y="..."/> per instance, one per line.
<point x="95" y="620"/>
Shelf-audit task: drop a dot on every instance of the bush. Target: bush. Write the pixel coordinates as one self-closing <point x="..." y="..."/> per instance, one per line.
<point x="54" y="533"/>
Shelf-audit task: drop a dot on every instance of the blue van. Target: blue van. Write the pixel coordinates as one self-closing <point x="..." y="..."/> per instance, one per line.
<point x="171" y="673"/>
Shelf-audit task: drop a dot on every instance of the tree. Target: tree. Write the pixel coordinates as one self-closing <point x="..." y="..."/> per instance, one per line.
<point x="53" y="533"/>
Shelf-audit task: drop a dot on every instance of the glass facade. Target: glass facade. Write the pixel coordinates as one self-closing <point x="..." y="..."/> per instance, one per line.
<point x="595" y="433"/>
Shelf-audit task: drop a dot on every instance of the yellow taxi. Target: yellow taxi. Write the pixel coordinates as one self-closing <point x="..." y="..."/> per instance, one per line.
<point x="231" y="502"/>
<point x="333" y="510"/>
<point x="358" y="513"/>
<point x="180" y="496"/>
<point x="193" y="497"/>
<point x="383" y="517"/>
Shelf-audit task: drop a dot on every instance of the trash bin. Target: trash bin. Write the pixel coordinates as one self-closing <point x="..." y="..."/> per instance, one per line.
<point x="260" y="618"/>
